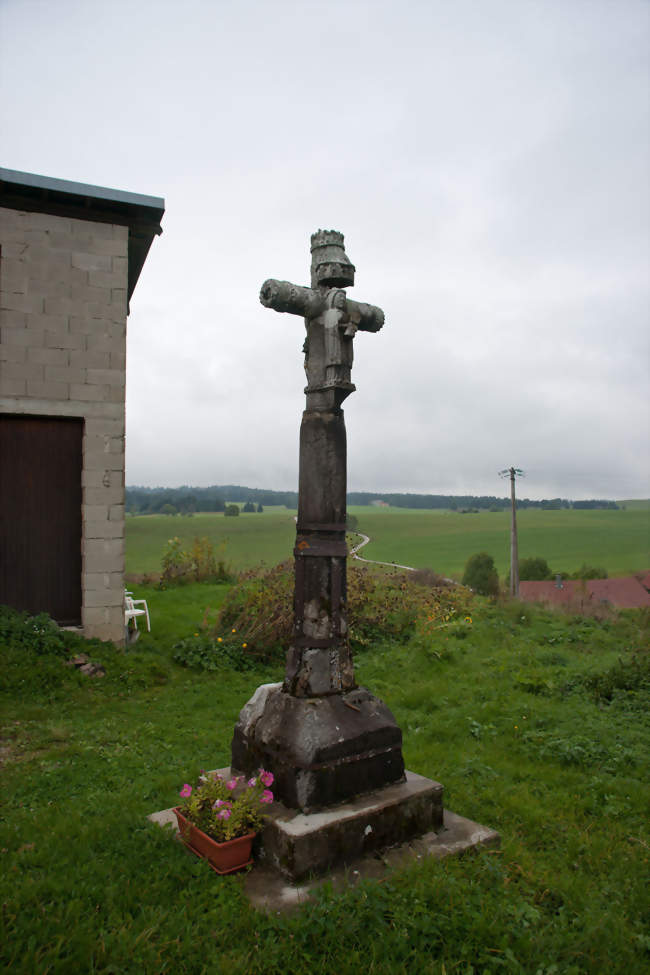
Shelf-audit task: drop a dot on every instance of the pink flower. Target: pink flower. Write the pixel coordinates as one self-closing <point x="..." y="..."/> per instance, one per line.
<point x="185" y="791"/>
<point x="224" y="814"/>
<point x="267" y="795"/>
<point x="266" y="777"/>
<point x="251" y="782"/>
<point x="232" y="784"/>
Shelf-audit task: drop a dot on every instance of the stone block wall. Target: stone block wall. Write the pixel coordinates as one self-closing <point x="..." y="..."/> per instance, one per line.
<point x="63" y="309"/>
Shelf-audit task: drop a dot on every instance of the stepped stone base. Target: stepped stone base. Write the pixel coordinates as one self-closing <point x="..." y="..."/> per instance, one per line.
<point x="268" y="890"/>
<point x="359" y="839"/>
<point x="299" y="844"/>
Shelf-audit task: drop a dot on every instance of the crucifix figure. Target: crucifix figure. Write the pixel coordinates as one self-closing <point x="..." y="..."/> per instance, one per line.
<point x="319" y="661"/>
<point x="324" y="738"/>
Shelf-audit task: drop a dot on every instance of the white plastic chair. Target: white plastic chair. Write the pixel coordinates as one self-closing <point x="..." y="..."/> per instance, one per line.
<point x="132" y="613"/>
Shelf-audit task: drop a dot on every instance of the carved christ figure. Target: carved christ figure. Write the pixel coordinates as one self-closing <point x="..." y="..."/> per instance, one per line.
<point x="331" y="321"/>
<point x="334" y="367"/>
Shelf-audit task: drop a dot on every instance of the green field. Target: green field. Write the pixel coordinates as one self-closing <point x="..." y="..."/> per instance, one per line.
<point x="619" y="541"/>
<point x="636" y="504"/>
<point x="444" y="540"/>
<point x="242" y="542"/>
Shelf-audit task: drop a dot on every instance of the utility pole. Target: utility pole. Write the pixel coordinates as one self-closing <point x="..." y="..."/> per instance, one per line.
<point x="513" y="472"/>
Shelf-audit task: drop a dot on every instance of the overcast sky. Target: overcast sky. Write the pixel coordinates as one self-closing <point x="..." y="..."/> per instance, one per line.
<point x="488" y="164"/>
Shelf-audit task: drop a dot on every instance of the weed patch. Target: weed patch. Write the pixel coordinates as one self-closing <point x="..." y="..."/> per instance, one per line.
<point x="381" y="608"/>
<point x="204" y="652"/>
<point x="631" y="675"/>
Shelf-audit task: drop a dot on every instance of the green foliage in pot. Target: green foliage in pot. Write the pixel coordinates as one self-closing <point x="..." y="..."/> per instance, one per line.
<point x="227" y="808"/>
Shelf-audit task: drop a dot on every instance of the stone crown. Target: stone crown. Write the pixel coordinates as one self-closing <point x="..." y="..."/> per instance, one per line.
<point x="324" y="237"/>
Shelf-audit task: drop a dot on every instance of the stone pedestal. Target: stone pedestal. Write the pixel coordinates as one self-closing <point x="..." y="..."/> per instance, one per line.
<point x="300" y="845"/>
<point x="321" y="750"/>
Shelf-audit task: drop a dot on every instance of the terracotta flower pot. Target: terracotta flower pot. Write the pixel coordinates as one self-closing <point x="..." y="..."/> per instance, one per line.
<point x="222" y="857"/>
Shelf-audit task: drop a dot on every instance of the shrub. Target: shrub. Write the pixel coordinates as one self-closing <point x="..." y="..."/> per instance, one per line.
<point x="632" y="674"/>
<point x="534" y="569"/>
<point x="590" y="572"/>
<point x="175" y="561"/>
<point x="249" y="507"/>
<point x="481" y="575"/>
<point x="200" y="564"/>
<point x="260" y="608"/>
<point x="33" y="650"/>
<point x="380" y="607"/>
<point x="203" y="561"/>
<point x="38" y="635"/>
<point x="231" y="510"/>
<point x="204" y="651"/>
<point x="427" y="577"/>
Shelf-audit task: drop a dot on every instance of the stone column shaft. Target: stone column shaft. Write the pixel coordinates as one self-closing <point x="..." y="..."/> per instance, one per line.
<point x="319" y="661"/>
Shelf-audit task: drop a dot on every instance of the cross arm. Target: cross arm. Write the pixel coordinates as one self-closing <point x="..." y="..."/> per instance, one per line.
<point x="283" y="296"/>
<point x="367" y="318"/>
<point x="287" y="297"/>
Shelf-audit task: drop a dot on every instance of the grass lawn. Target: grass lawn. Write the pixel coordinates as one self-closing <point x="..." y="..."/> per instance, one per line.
<point x="536" y="724"/>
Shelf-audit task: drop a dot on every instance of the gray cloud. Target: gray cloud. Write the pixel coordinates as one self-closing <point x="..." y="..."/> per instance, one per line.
<point x="487" y="164"/>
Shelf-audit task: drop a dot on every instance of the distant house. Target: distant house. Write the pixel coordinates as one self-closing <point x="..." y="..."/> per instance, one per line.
<point x="380" y="504"/>
<point x="644" y="579"/>
<point x="70" y="257"/>
<point x="623" y="593"/>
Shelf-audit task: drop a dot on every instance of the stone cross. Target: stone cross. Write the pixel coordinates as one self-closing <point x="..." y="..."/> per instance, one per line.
<point x="319" y="660"/>
<point x="325" y="739"/>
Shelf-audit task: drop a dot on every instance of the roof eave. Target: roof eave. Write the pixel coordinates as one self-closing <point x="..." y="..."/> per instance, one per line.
<point x="44" y="194"/>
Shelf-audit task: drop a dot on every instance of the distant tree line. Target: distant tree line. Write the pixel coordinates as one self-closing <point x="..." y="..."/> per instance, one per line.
<point x="188" y="500"/>
<point x="470" y="502"/>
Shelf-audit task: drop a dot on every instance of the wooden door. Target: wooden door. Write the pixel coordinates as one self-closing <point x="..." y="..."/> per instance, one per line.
<point x="40" y="515"/>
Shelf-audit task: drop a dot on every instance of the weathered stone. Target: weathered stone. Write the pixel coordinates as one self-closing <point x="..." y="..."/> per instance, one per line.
<point x="322" y="750"/>
<point x="319" y="661"/>
<point x="300" y="845"/>
<point x="324" y="739"/>
<point x="92" y="670"/>
<point x="362" y="839"/>
<point x="269" y="889"/>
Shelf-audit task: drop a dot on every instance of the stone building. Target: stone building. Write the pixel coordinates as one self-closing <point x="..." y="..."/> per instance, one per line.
<point x="70" y="257"/>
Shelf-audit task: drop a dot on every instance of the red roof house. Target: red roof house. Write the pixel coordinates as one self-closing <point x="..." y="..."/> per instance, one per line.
<point x="623" y="593"/>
